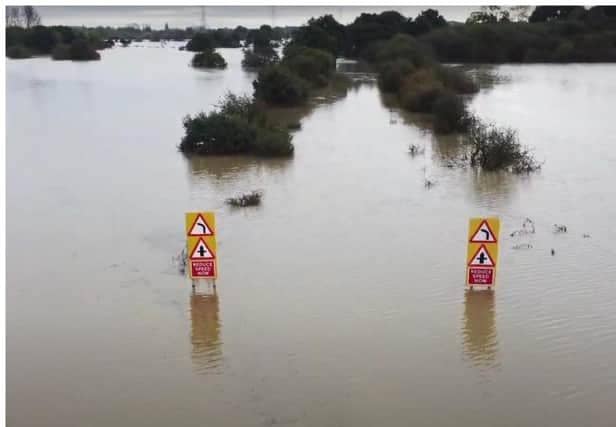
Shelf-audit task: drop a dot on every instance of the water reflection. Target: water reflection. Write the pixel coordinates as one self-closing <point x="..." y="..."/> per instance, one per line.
<point x="222" y="169"/>
<point x="491" y="188"/>
<point x="479" y="330"/>
<point x="205" y="332"/>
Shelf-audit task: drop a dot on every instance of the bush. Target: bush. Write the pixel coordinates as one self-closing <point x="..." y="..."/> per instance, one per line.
<point x="258" y="58"/>
<point x="450" y="113"/>
<point x="237" y="127"/>
<point x="240" y="106"/>
<point x="217" y="133"/>
<point x="243" y="200"/>
<point x="403" y="46"/>
<point x="208" y="59"/>
<point x="420" y="90"/>
<point x="277" y="85"/>
<point x="61" y="52"/>
<point x="313" y="65"/>
<point x="455" y="80"/>
<point x="392" y="73"/>
<point x="495" y="148"/>
<point x="273" y="142"/>
<point x="18" y="52"/>
<point x="78" y="50"/>
<point x="200" y="42"/>
<point x="40" y="39"/>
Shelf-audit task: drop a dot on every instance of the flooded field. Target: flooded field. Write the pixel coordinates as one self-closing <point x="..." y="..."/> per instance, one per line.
<point x="341" y="298"/>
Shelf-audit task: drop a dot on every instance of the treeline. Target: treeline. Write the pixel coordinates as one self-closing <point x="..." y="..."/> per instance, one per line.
<point x="549" y="34"/>
<point x="61" y="42"/>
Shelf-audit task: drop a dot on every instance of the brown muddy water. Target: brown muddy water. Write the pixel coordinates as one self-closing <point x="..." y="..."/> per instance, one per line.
<point x="341" y="299"/>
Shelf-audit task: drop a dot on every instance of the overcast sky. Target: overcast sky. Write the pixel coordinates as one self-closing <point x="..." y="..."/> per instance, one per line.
<point x="221" y="16"/>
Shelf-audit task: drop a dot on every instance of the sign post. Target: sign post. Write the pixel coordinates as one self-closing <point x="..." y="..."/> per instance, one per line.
<point x="201" y="245"/>
<point x="482" y="253"/>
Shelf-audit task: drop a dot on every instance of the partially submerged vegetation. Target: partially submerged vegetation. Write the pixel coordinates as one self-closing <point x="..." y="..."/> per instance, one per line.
<point x="235" y="127"/>
<point x="78" y="50"/>
<point x="244" y="200"/>
<point x="289" y="82"/>
<point x="26" y="37"/>
<point x="209" y="58"/>
<point x="262" y="50"/>
<point x="493" y="148"/>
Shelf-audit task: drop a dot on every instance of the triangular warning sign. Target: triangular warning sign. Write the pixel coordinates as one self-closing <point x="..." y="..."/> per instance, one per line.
<point x="483" y="234"/>
<point x="482" y="258"/>
<point x="202" y="251"/>
<point x="200" y="227"/>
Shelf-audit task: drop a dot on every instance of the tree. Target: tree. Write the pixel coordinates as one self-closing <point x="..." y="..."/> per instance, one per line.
<point x="13" y="19"/>
<point x="31" y="16"/>
<point x="547" y="13"/>
<point x="322" y="33"/>
<point x="426" y="21"/>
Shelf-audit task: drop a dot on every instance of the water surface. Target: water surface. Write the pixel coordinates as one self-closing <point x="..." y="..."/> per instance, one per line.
<point x="340" y="300"/>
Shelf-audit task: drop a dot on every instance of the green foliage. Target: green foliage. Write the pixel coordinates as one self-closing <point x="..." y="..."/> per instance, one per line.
<point x="523" y="42"/>
<point x="455" y="80"/>
<point x="217" y="133"/>
<point x="323" y="33"/>
<point x="40" y="39"/>
<point x="258" y="58"/>
<point x="370" y="27"/>
<point x="278" y="85"/>
<point x="18" y="52"/>
<point x="200" y="42"/>
<point x="426" y="21"/>
<point x="493" y="148"/>
<point x="262" y="38"/>
<point x="312" y="65"/>
<point x="78" y="50"/>
<point x="60" y="41"/>
<point x="392" y="73"/>
<point x="402" y="46"/>
<point x="208" y="59"/>
<point x="273" y="142"/>
<point x="419" y="91"/>
<point x="240" y="106"/>
<point x="237" y="127"/>
<point x="14" y="36"/>
<point x="450" y="113"/>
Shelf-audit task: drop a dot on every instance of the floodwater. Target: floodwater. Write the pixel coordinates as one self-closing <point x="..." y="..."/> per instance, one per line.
<point x="341" y="299"/>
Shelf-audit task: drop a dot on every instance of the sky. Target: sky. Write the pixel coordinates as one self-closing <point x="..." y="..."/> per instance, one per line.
<point x="222" y="16"/>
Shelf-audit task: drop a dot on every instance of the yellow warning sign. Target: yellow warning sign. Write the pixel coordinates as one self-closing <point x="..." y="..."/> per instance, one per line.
<point x="201" y="245"/>
<point x="482" y="252"/>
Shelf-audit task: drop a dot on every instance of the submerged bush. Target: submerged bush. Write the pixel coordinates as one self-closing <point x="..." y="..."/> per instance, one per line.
<point x="313" y="65"/>
<point x="455" y="79"/>
<point x="237" y="127"/>
<point x="450" y="113"/>
<point x="402" y="46"/>
<point x="392" y="73"/>
<point x="278" y="85"/>
<point x="243" y="200"/>
<point x="200" y="42"/>
<point x="209" y="59"/>
<point x="78" y="50"/>
<point x="493" y="148"/>
<point x="18" y="52"/>
<point x="273" y="142"/>
<point x="420" y="90"/>
<point x="258" y="58"/>
<point x="217" y="133"/>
